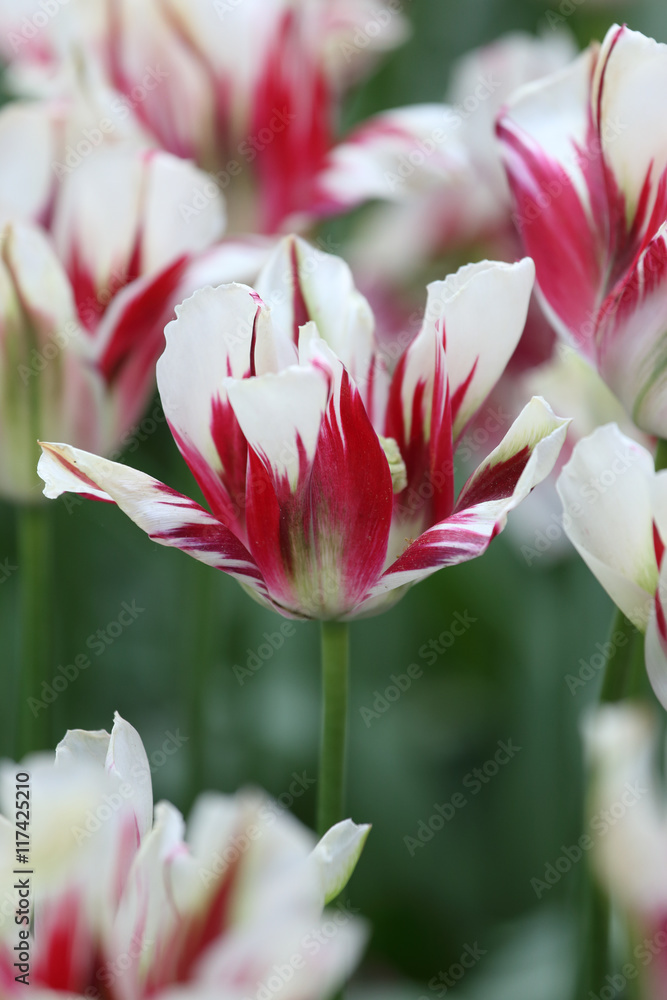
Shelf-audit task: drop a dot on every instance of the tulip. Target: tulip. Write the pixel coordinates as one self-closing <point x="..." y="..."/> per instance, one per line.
<point x="585" y="157"/>
<point x="626" y="822"/>
<point x="124" y="903"/>
<point x="330" y="491"/>
<point x="436" y="168"/>
<point x="230" y="85"/>
<point x="83" y="316"/>
<point x="615" y="515"/>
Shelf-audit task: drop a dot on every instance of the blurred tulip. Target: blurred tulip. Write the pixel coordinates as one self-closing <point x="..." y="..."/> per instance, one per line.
<point x="615" y="515"/>
<point x="436" y="168"/>
<point x="586" y="157"/>
<point x="230" y="85"/>
<point x="94" y="257"/>
<point x="628" y="829"/>
<point x="124" y="905"/>
<point x="328" y="500"/>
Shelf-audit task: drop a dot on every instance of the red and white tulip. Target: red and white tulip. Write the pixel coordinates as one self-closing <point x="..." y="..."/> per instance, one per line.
<point x="586" y="156"/>
<point x="126" y="906"/>
<point x="615" y="515"/>
<point x="94" y="258"/>
<point x="436" y="169"/>
<point x="246" y="90"/>
<point x="330" y="491"/>
<point x="628" y="830"/>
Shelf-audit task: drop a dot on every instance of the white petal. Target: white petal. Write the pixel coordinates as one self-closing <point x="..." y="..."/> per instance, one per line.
<point x="483" y="309"/>
<point x="280" y="416"/>
<point x="606" y="490"/>
<point x="337" y="853"/>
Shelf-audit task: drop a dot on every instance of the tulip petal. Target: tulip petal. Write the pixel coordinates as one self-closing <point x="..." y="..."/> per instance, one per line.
<point x="218" y="333"/>
<point x="419" y="419"/>
<point x="83" y="745"/>
<point x="655" y="647"/>
<point x="632" y="338"/>
<point x="631" y="66"/>
<point x="525" y="456"/>
<point x="300" y="283"/>
<point x="127" y="759"/>
<point x="391" y="156"/>
<point x="480" y="297"/>
<point x="336" y="855"/>
<point x="610" y="477"/>
<point x="319" y="488"/>
<point x="168" y="517"/>
<point x="557" y="181"/>
<point x="27" y="147"/>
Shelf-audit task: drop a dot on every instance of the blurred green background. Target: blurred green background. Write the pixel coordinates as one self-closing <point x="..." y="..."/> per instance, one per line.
<point x="503" y="680"/>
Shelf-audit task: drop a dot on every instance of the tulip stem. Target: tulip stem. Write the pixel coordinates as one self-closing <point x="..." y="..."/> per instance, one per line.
<point x="624" y="667"/>
<point x="36" y="625"/>
<point x="335" y="656"/>
<point x="201" y="666"/>
<point x="624" y="677"/>
<point x="661" y="455"/>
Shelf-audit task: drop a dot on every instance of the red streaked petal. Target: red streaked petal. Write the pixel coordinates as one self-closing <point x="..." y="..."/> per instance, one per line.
<point x="521" y="461"/>
<point x="219" y="333"/>
<point x="632" y="338"/>
<point x="166" y="516"/>
<point x="319" y="507"/>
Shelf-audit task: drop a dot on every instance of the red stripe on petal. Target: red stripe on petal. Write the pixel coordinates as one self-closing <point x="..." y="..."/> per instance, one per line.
<point x="658" y="545"/>
<point x="300" y="309"/>
<point x="660" y="621"/>
<point x="321" y="546"/>
<point x="461" y="390"/>
<point x="138" y="335"/>
<point x="461" y="537"/>
<point x="352" y="496"/>
<point x="556" y="232"/>
<point x="495" y="482"/>
<point x="293" y="104"/>
<point x="65" y="956"/>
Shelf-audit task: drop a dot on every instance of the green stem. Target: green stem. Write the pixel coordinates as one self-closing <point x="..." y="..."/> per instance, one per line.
<point x="661" y="455"/>
<point x="335" y="656"/>
<point x="201" y="658"/>
<point x="624" y="676"/>
<point x="36" y="625"/>
<point x="596" y="958"/>
<point x="624" y="669"/>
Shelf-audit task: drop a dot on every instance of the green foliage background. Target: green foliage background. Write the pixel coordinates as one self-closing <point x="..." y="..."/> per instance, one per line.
<point x="504" y="679"/>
